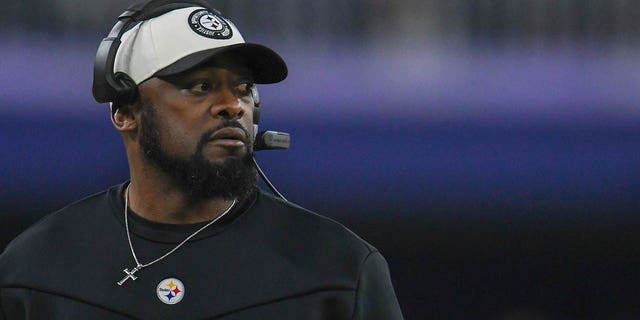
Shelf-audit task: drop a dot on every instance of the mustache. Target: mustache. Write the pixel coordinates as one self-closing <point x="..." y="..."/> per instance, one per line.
<point x="226" y="124"/>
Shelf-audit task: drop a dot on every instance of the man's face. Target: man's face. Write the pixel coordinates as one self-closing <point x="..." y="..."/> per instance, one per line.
<point x="196" y="127"/>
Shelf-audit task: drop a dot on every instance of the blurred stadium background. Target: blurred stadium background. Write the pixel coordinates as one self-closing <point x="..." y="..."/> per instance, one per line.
<point x="490" y="149"/>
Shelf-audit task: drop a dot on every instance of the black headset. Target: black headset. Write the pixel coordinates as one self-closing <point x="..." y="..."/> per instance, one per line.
<point x="119" y="88"/>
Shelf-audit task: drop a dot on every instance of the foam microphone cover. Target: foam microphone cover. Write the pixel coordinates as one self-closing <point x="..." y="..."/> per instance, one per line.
<point x="272" y="140"/>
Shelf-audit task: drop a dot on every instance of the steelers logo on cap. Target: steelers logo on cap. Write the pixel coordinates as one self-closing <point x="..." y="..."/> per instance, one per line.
<point x="170" y="291"/>
<point x="209" y="24"/>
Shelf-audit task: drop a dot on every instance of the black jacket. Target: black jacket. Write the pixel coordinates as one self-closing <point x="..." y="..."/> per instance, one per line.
<point x="267" y="259"/>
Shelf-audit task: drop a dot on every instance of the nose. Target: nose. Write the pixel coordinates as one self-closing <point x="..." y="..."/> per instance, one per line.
<point x="227" y="105"/>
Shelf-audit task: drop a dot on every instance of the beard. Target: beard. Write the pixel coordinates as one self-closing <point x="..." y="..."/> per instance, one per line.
<point x="195" y="176"/>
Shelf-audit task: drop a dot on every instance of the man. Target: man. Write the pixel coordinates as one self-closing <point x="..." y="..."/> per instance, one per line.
<point x="190" y="235"/>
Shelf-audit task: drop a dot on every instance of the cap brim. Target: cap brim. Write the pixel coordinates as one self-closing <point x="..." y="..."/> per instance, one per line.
<point x="265" y="64"/>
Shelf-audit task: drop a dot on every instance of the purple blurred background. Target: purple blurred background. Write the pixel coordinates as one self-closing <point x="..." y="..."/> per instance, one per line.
<point x="490" y="149"/>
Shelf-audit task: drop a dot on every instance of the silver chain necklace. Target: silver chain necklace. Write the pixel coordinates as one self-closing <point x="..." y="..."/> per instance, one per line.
<point x="139" y="266"/>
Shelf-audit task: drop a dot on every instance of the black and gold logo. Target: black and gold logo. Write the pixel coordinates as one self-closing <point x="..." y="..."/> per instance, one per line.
<point x="210" y="25"/>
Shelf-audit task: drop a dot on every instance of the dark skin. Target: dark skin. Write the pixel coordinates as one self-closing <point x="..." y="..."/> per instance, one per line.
<point x="187" y="105"/>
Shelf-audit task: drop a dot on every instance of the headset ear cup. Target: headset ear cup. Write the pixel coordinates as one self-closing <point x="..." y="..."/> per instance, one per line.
<point x="255" y="95"/>
<point x="128" y="90"/>
<point x="256" y="103"/>
<point x="256" y="115"/>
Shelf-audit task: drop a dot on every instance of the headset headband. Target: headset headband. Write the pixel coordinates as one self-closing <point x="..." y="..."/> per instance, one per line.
<point x="119" y="88"/>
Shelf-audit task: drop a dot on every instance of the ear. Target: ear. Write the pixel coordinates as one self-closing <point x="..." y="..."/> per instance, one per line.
<point x="125" y="118"/>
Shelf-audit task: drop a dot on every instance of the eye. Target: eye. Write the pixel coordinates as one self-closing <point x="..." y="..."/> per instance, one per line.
<point x="202" y="87"/>
<point x="243" y="88"/>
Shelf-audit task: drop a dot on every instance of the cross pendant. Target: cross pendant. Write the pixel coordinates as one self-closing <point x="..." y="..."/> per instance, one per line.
<point x="129" y="275"/>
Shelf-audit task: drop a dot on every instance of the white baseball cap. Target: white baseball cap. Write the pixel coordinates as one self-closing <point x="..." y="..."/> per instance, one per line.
<point x="188" y="37"/>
